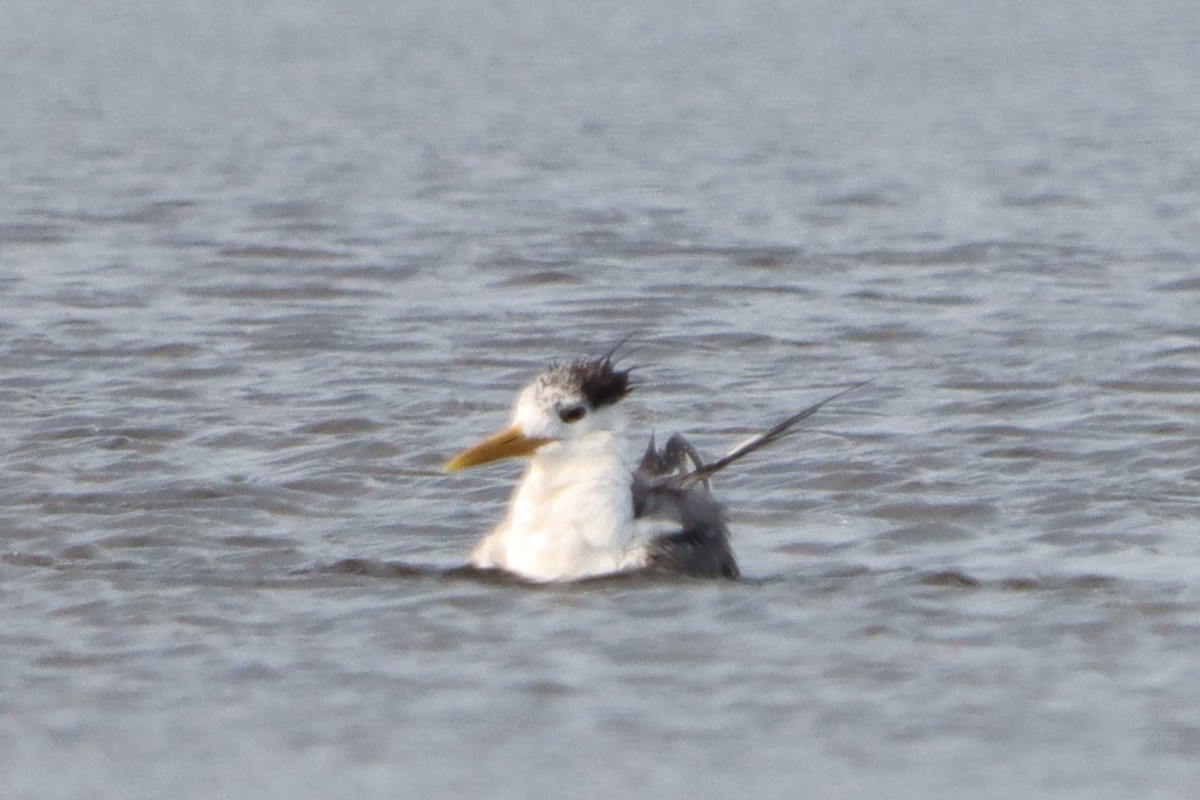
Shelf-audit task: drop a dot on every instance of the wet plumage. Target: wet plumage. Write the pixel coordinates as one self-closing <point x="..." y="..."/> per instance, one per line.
<point x="579" y="511"/>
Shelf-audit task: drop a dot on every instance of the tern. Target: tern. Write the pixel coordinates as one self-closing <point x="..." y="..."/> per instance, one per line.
<point x="579" y="511"/>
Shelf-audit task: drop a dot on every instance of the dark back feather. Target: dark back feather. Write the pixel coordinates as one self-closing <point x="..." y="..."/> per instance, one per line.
<point x="700" y="547"/>
<point x="673" y="484"/>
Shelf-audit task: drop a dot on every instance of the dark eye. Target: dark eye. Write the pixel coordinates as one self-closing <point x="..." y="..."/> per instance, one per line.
<point x="572" y="413"/>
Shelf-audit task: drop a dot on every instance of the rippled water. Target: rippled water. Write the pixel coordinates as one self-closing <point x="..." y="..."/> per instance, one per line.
<point x="264" y="267"/>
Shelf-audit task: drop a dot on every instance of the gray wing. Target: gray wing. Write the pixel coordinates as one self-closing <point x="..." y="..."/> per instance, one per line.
<point x="700" y="546"/>
<point x="673" y="484"/>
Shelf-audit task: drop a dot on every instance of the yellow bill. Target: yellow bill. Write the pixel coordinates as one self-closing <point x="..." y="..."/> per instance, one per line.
<point x="508" y="443"/>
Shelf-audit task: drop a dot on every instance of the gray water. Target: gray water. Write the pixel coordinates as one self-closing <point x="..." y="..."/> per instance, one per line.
<point x="264" y="266"/>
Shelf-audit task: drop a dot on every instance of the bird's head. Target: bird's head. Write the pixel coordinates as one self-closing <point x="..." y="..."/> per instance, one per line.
<point x="564" y="403"/>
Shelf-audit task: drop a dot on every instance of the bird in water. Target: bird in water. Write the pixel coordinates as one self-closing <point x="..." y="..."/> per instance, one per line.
<point x="579" y="511"/>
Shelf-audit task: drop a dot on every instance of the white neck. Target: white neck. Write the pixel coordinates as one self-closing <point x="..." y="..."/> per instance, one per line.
<point x="570" y="517"/>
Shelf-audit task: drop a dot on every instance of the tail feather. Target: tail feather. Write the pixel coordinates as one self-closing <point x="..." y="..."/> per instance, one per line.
<point x="705" y="471"/>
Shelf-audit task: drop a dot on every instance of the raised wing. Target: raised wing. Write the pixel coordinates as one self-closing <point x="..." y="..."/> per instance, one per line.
<point x="671" y="489"/>
<point x="697" y="540"/>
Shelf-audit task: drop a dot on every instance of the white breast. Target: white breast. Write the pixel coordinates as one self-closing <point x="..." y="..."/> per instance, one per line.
<point x="570" y="517"/>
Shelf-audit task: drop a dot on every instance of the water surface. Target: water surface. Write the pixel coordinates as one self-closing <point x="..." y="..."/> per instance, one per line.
<point x="264" y="268"/>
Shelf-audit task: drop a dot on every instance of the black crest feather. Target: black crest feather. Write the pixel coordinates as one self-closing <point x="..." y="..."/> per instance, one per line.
<point x="601" y="383"/>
